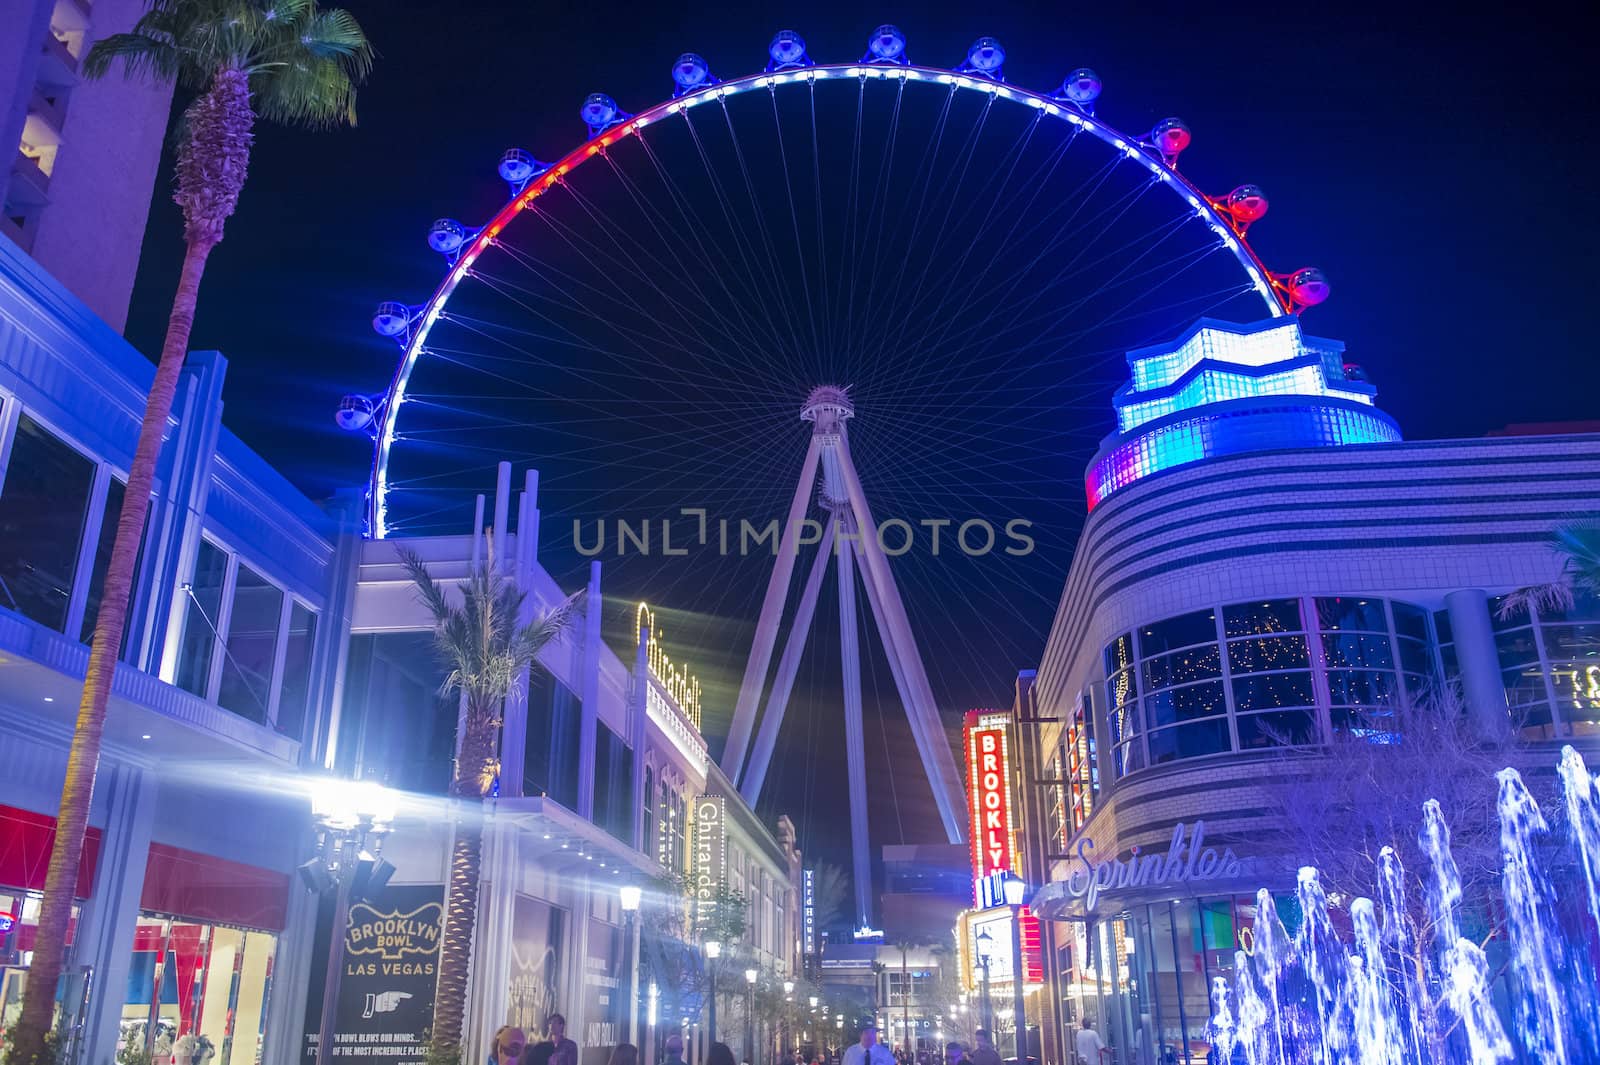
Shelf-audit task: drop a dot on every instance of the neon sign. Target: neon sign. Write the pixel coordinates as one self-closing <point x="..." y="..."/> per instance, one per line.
<point x="989" y="794"/>
<point x="710" y="852"/>
<point x="683" y="686"/>
<point x="809" y="897"/>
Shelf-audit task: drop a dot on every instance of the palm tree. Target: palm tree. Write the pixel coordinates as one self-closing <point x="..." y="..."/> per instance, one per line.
<point x="280" y="60"/>
<point x="1577" y="543"/>
<point x="487" y="649"/>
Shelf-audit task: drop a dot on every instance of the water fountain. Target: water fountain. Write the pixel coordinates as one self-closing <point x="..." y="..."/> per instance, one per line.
<point x="1402" y="994"/>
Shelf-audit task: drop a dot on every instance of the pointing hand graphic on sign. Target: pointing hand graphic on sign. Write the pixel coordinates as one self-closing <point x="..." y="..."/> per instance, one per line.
<point x="384" y="1002"/>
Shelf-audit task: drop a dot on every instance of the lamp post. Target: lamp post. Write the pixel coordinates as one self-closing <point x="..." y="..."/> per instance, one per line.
<point x="630" y="896"/>
<point x="750" y="1016"/>
<point x="985" y="947"/>
<point x="713" y="951"/>
<point x="788" y="997"/>
<point x="352" y="817"/>
<point x="1015" y="893"/>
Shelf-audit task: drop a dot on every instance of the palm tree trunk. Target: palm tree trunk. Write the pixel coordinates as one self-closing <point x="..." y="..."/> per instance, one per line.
<point x="111" y="619"/>
<point x="473" y="768"/>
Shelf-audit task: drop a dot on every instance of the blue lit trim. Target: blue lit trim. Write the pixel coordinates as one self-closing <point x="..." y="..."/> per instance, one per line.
<point x="1232" y="427"/>
<point x="1128" y="394"/>
<point x="1242" y="329"/>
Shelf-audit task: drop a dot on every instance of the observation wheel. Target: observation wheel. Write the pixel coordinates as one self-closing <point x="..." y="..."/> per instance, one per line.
<point x="642" y="318"/>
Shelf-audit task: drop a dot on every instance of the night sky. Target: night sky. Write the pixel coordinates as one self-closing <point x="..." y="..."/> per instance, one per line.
<point x="1437" y="170"/>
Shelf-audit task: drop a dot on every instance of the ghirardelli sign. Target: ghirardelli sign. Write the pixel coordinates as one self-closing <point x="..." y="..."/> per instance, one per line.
<point x="710" y="851"/>
<point x="391" y="935"/>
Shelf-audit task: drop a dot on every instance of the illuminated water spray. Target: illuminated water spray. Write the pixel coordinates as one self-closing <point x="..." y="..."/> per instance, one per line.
<point x="1312" y="999"/>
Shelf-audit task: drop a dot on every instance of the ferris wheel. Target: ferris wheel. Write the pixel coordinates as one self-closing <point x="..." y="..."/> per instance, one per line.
<point x="645" y="314"/>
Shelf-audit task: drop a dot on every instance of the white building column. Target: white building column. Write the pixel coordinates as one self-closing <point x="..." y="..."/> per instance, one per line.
<point x="593" y="608"/>
<point x="292" y="964"/>
<point x="1478" y="660"/>
<point x="489" y="985"/>
<point x="105" y="934"/>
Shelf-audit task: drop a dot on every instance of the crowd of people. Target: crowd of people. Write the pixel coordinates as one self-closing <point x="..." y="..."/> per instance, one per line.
<point x="511" y="1047"/>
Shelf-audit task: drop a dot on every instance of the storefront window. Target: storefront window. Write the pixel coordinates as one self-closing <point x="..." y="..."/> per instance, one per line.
<point x="204" y="607"/>
<point x="44" y="502"/>
<point x="1082" y="763"/>
<point x="197" y="993"/>
<point x="294" y="689"/>
<point x="1522" y="672"/>
<point x="1122" y="702"/>
<point x="252" y="649"/>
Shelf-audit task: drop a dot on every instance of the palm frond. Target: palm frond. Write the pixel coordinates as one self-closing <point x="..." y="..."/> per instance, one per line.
<point x="143" y="56"/>
<point x="1579" y="545"/>
<point x="304" y="63"/>
<point x="1554" y="597"/>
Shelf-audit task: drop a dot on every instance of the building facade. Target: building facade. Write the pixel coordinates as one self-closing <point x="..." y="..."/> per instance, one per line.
<point x="269" y="646"/>
<point x="1228" y="606"/>
<point x="87" y="151"/>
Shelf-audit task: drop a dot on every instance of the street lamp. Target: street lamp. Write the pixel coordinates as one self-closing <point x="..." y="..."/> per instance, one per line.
<point x="630" y="896"/>
<point x="985" y="949"/>
<point x="352" y="817"/>
<point x="750" y="1014"/>
<point x="1015" y="894"/>
<point x="813" y="1001"/>
<point x="788" y="997"/>
<point x="713" y="951"/>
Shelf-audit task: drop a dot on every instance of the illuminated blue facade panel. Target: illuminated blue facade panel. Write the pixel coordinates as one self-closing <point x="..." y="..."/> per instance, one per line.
<point x="1225" y="389"/>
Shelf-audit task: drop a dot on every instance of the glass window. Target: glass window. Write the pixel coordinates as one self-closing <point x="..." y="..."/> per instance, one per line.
<point x="1350" y="687"/>
<point x="43" y="505"/>
<point x="1346" y="614"/>
<point x="1272" y="652"/>
<point x="1182" y="667"/>
<point x="294" y="690"/>
<point x="1410" y="622"/>
<point x="1293" y="728"/>
<point x="1369" y="652"/>
<point x="550" y="748"/>
<point x="1082" y="763"/>
<point x="647" y="806"/>
<point x="252" y="649"/>
<point x="206" y="981"/>
<point x="116" y="491"/>
<point x="613" y="783"/>
<point x="200" y="619"/>
<point x="1272" y="691"/>
<point x="1184" y="704"/>
<point x="1119" y="654"/>
<point x="1183" y="631"/>
<point x="1441" y="625"/>
<point x="1415" y="657"/>
<point x="1189" y="741"/>
<point x="1259" y="619"/>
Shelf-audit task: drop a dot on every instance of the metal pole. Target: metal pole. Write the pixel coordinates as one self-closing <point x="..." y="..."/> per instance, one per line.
<point x="330" y="980"/>
<point x="1019" y="986"/>
<point x="905" y="987"/>
<point x="711" y="1021"/>
<point x="633" y="978"/>
<point x="988" y="1002"/>
<point x="750" y="1026"/>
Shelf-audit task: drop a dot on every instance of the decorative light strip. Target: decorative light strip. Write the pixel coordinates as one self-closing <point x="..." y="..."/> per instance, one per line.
<point x="384" y="442"/>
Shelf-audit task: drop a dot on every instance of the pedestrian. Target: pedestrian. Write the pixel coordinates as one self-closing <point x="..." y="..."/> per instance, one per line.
<point x="625" y="1054"/>
<point x="509" y="1042"/>
<point x="719" y="1054"/>
<point x="555" y="1048"/>
<point x="985" y="1053"/>
<point x="1092" y="1050"/>
<point x="674" y="1050"/>
<point x="868" y="1051"/>
<point x="956" y="1054"/>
